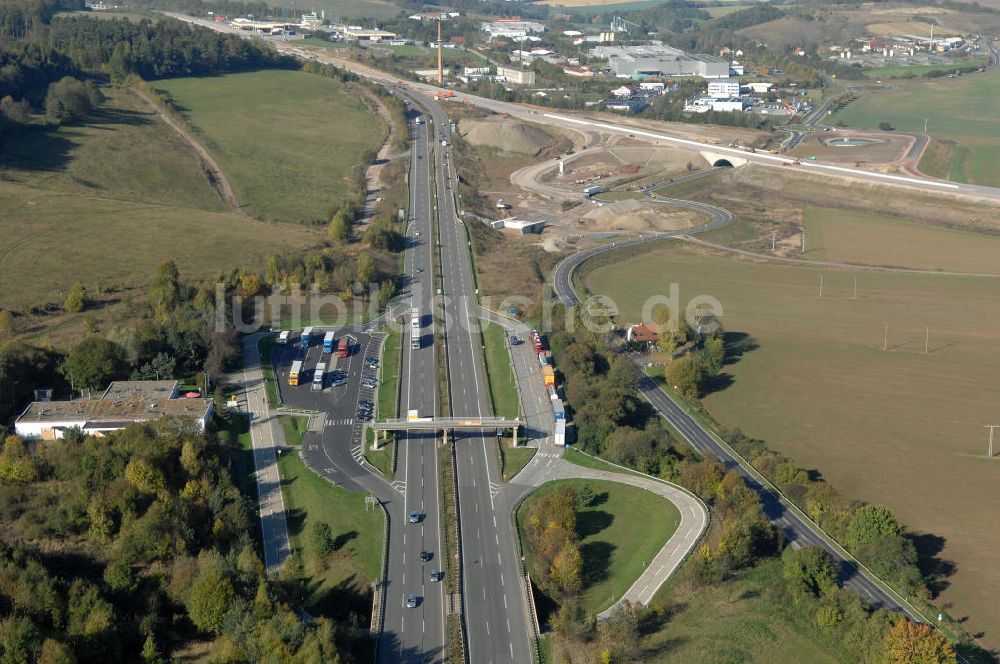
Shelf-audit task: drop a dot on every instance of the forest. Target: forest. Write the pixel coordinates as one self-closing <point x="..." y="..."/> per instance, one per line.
<point x="139" y="547"/>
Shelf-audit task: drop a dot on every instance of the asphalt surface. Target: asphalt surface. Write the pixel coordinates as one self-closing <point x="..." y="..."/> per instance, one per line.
<point x="495" y="618"/>
<point x="265" y="439"/>
<point x="796" y="530"/>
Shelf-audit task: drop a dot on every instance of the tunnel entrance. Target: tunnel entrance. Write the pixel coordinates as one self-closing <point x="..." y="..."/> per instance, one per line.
<point x="722" y="163"/>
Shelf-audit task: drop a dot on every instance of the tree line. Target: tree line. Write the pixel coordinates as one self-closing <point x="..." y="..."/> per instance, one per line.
<point x="137" y="546"/>
<point x="47" y="66"/>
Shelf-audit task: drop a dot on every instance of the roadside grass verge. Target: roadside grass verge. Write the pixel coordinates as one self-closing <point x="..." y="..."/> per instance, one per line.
<point x="381" y="459"/>
<point x="389" y="368"/>
<point x="338" y="582"/>
<point x="621" y="530"/>
<point x="514" y="459"/>
<point x="503" y="390"/>
<point x="294" y="427"/>
<point x="265" y="349"/>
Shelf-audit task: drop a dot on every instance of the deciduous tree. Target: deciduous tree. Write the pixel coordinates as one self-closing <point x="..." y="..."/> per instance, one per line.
<point x="912" y="643"/>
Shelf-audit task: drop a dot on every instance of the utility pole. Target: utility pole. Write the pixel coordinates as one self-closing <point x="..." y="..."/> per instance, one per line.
<point x="774" y="235"/>
<point x="803" y="239"/>
<point x="927" y="339"/>
<point x="925" y="124"/>
<point x="855" y="288"/>
<point x="991" y="427"/>
<point x="885" y="339"/>
<point x="821" y="285"/>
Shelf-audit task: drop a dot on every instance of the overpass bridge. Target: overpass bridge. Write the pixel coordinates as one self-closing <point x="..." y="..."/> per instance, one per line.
<point x="446" y="424"/>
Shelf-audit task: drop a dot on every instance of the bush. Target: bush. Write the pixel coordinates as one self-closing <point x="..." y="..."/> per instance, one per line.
<point x="77" y="300"/>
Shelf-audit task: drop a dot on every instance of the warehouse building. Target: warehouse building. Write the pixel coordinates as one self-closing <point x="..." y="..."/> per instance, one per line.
<point x="122" y="404"/>
<point x="657" y="60"/>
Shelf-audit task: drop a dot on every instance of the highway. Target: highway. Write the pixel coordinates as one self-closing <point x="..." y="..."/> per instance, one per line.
<point x="420" y="632"/>
<point x="796" y="529"/>
<point x="496" y="623"/>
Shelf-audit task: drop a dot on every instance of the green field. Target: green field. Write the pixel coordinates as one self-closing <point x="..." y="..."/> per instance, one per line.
<point x="342" y="10"/>
<point x="286" y="140"/>
<point x="380" y="459"/>
<point x="962" y="110"/>
<point x="99" y="158"/>
<point x="746" y="619"/>
<point x="899" y="427"/>
<point x="620" y="532"/>
<point x="51" y="240"/>
<point x="357" y="530"/>
<point x="503" y="389"/>
<point x="854" y="237"/>
<point x="900" y="71"/>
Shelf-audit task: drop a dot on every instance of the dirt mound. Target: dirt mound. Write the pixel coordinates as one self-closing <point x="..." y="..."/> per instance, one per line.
<point x="636" y="216"/>
<point x="506" y="135"/>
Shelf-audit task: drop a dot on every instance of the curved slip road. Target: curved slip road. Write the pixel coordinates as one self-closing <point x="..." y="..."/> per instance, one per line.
<point x="548" y="465"/>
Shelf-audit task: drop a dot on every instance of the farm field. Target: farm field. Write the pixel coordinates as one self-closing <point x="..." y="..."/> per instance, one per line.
<point x="98" y="158"/>
<point x="898" y="427"/>
<point x="620" y="531"/>
<point x="845" y="236"/>
<point x="959" y="110"/>
<point x="343" y="9"/>
<point x="287" y="140"/>
<point x="120" y="243"/>
<point x="899" y="71"/>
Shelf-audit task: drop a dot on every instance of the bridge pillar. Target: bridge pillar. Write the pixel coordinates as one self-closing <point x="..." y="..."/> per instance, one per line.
<point x="444" y="436"/>
<point x="515" y="435"/>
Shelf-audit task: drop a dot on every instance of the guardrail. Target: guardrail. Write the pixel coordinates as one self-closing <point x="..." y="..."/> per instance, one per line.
<point x="378" y="594"/>
<point x="527" y="596"/>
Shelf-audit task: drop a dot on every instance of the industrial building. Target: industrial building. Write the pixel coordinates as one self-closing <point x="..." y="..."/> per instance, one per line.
<point x="516" y="76"/>
<point x="511" y="28"/>
<point x="523" y="226"/>
<point x="357" y="33"/>
<point x="657" y="60"/>
<point x="706" y="104"/>
<point x="122" y="404"/>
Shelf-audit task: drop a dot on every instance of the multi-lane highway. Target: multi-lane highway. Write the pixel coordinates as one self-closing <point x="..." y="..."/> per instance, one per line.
<point x="495" y="620"/>
<point x="420" y="631"/>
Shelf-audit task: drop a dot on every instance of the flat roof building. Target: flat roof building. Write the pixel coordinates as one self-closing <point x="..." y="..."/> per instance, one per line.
<point x="516" y="76"/>
<point x="660" y="61"/>
<point x="141" y="389"/>
<point x="724" y="88"/>
<point x="123" y="403"/>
